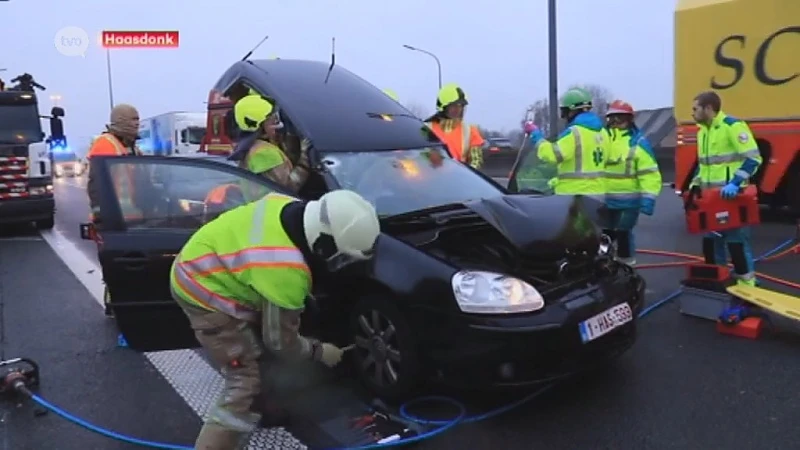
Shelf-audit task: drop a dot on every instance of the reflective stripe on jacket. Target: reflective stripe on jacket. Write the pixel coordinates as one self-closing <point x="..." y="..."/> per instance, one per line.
<point x="726" y="152"/>
<point x="631" y="171"/>
<point x="579" y="154"/>
<point x="241" y="260"/>
<point x="462" y="146"/>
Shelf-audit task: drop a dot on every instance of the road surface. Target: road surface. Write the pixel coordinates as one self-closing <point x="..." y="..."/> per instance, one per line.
<point x="683" y="386"/>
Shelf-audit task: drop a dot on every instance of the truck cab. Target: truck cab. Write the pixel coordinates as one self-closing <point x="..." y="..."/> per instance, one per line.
<point x="26" y="163"/>
<point x="172" y="133"/>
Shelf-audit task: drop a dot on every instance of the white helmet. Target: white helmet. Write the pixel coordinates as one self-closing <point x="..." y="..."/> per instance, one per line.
<point x="341" y="227"/>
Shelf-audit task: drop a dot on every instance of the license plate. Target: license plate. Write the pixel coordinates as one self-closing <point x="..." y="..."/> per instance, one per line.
<point x="605" y="322"/>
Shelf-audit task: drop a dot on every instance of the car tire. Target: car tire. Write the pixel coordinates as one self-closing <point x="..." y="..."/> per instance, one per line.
<point x="385" y="355"/>
<point x="46" y="224"/>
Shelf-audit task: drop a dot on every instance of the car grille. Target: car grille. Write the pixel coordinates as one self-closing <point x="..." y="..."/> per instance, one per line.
<point x="13" y="171"/>
<point x="550" y="270"/>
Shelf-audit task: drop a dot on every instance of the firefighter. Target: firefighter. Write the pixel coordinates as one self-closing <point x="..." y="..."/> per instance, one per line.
<point x="580" y="151"/>
<point x="462" y="139"/>
<point x="119" y="139"/>
<point x="252" y="267"/>
<point x="727" y="156"/>
<point x="265" y="157"/>
<point x="632" y="179"/>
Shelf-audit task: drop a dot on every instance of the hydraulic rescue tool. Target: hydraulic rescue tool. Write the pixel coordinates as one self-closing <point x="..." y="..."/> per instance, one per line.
<point x="18" y="376"/>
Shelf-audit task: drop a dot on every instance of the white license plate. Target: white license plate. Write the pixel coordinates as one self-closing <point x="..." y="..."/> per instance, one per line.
<point x="605" y="322"/>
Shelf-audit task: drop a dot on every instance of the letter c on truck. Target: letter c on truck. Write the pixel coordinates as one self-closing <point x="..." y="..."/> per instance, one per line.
<point x="761" y="59"/>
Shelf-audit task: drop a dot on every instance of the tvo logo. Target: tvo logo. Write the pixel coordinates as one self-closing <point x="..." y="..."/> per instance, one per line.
<point x="72" y="41"/>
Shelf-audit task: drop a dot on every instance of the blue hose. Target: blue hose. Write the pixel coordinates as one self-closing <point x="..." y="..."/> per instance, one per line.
<point x="102" y="431"/>
<point x="442" y="425"/>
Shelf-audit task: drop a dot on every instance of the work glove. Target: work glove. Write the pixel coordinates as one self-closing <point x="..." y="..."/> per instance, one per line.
<point x="647" y="205"/>
<point x="534" y="133"/>
<point x="529" y="127"/>
<point x="331" y="354"/>
<point x="730" y="191"/>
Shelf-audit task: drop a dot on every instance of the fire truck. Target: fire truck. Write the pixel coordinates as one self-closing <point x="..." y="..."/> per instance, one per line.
<point x="26" y="162"/>
<point x="220" y="127"/>
<point x="745" y="50"/>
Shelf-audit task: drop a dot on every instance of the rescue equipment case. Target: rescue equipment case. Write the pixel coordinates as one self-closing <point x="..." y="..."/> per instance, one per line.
<point x="707" y="211"/>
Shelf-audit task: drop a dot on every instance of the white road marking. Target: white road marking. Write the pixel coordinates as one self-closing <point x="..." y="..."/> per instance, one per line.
<point x="191" y="376"/>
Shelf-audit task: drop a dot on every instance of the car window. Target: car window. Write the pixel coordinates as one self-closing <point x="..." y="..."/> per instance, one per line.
<point x="535" y="174"/>
<point x="401" y="181"/>
<point x="159" y="194"/>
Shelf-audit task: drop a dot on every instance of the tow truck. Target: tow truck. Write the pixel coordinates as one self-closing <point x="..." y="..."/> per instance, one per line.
<point x="746" y="50"/>
<point x="26" y="162"/>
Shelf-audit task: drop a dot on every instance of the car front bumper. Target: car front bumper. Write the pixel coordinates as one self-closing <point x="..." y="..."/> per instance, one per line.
<point x="544" y="346"/>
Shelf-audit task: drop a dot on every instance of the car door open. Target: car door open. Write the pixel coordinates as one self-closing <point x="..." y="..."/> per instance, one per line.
<point x="149" y="207"/>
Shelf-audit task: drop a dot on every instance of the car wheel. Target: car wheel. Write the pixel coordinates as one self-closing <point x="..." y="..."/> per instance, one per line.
<point x="385" y="353"/>
<point x="46" y="224"/>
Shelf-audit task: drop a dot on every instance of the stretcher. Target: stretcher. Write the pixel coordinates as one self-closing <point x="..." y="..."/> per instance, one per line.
<point x="782" y="304"/>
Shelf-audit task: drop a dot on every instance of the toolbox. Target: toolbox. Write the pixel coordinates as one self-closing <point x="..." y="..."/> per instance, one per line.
<point x="707" y="211"/>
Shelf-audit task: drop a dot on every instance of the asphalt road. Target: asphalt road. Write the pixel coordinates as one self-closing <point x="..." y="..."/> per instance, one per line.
<point x="683" y="385"/>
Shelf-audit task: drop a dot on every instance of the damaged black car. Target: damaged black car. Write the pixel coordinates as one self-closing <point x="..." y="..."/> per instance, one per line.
<point x="471" y="284"/>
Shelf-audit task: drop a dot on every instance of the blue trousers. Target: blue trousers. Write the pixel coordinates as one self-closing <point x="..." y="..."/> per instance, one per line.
<point x="620" y="229"/>
<point x="734" y="243"/>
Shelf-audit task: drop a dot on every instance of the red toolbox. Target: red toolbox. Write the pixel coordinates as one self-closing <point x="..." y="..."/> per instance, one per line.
<point x="707" y="211"/>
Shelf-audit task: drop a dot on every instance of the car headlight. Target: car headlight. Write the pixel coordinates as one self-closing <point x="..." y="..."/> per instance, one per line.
<point x="493" y="293"/>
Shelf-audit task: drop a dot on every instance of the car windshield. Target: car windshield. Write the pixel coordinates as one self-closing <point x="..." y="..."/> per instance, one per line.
<point x="533" y="174"/>
<point x="19" y="123"/>
<point x="402" y="181"/>
<point x="194" y="135"/>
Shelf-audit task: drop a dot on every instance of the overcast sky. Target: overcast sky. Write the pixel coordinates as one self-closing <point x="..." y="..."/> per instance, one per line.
<point x="497" y="53"/>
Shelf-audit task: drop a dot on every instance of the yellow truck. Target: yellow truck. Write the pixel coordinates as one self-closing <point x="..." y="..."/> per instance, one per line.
<point x="748" y="51"/>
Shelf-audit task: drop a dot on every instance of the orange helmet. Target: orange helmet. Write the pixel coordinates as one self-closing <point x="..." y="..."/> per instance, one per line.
<point x="619" y="107"/>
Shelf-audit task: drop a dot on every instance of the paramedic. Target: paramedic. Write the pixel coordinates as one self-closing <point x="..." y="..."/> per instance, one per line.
<point x="252" y="268"/>
<point x="727" y="156"/>
<point x="632" y="179"/>
<point x="580" y="151"/>
<point x="464" y="141"/>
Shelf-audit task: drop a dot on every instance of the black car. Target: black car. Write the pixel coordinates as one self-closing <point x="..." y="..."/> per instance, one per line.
<point x="470" y="283"/>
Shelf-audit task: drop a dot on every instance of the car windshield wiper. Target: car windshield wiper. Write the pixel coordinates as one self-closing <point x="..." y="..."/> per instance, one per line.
<point x="384" y="116"/>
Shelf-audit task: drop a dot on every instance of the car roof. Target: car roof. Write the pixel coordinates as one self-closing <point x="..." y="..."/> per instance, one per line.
<point x="337" y="111"/>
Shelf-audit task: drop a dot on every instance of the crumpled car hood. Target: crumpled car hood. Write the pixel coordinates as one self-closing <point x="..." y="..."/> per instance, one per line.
<point x="544" y="226"/>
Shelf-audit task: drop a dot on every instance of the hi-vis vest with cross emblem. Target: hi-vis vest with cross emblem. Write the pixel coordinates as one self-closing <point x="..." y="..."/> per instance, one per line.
<point x="241" y="260"/>
<point x="631" y="172"/>
<point x="726" y="151"/>
<point x="579" y="155"/>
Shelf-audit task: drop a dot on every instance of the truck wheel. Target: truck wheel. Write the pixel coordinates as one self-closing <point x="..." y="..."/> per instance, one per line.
<point x="46" y="224"/>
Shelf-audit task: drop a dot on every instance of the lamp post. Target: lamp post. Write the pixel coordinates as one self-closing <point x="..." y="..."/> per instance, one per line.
<point x="552" y="40"/>
<point x="55" y="99"/>
<point x="110" y="87"/>
<point x="435" y="58"/>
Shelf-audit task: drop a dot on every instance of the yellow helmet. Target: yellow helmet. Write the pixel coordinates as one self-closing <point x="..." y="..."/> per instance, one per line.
<point x="392" y="94"/>
<point x="251" y="111"/>
<point x="449" y="94"/>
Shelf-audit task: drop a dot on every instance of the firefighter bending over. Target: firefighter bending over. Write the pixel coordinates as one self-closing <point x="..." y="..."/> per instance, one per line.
<point x="632" y="179"/>
<point x="462" y="139"/>
<point x="727" y="156"/>
<point x="252" y="267"/>
<point x="580" y="151"/>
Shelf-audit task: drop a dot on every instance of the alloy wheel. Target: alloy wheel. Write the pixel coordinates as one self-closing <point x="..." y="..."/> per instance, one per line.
<point x="377" y="346"/>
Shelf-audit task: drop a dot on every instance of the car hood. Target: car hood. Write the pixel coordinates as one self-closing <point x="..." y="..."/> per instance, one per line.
<point x="544" y="226"/>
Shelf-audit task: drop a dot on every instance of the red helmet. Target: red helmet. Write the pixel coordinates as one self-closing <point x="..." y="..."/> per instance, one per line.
<point x="619" y="107"/>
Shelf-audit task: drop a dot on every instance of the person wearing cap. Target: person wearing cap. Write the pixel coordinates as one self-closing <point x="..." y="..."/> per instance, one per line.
<point x="243" y="279"/>
<point x="579" y="152"/>
<point x="119" y="139"/>
<point x="632" y="178"/>
<point x="464" y="141"/>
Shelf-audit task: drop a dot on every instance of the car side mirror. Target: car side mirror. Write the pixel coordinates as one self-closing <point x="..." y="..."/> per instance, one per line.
<point x="57" y="111"/>
<point x="56" y="129"/>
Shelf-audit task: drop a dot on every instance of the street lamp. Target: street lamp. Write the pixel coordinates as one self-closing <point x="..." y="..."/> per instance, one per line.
<point x="552" y="36"/>
<point x="110" y="87"/>
<point x="55" y="99"/>
<point x="438" y="63"/>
